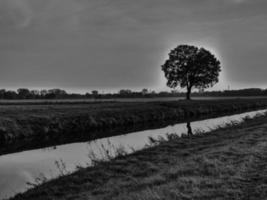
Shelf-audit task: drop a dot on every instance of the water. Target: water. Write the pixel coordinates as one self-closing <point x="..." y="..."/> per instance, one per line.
<point x="18" y="169"/>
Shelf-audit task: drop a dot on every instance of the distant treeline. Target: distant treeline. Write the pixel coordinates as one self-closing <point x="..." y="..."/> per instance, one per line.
<point x="24" y="93"/>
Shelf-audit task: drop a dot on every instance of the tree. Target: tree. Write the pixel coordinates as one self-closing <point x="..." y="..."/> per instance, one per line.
<point x="2" y="93"/>
<point x="43" y="93"/>
<point x="35" y="94"/>
<point x="10" y="95"/>
<point x="95" y="93"/>
<point x="56" y="93"/>
<point x="190" y="66"/>
<point x="24" y="93"/>
<point x="87" y="95"/>
<point x="144" y="91"/>
<point x="125" y="93"/>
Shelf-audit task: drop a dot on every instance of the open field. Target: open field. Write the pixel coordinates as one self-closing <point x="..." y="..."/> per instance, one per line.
<point x="33" y="126"/>
<point x="89" y="101"/>
<point x="228" y="163"/>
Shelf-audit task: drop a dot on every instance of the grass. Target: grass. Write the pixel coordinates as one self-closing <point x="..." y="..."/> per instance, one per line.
<point x="228" y="163"/>
<point x="33" y="125"/>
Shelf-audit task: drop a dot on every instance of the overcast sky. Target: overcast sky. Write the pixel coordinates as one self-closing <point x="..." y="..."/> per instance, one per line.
<point x="80" y="45"/>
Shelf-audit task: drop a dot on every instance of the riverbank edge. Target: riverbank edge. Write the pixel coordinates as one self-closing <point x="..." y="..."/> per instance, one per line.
<point x="64" y="128"/>
<point x="137" y="168"/>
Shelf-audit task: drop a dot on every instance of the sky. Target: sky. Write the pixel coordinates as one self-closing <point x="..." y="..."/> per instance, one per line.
<point x="80" y="45"/>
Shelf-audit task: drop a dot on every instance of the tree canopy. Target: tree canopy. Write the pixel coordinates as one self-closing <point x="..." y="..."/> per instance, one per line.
<point x="190" y="66"/>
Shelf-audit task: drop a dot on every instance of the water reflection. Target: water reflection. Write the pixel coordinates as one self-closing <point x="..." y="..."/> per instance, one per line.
<point x="19" y="168"/>
<point x="189" y="128"/>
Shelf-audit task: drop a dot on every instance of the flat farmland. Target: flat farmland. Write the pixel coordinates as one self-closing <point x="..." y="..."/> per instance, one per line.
<point x="65" y="122"/>
<point x="84" y="101"/>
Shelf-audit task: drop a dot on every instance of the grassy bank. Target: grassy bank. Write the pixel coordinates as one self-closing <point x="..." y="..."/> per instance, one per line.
<point x="229" y="163"/>
<point x="29" y="126"/>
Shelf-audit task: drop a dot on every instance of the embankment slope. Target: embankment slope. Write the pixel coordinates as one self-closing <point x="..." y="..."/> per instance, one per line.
<point x="229" y="163"/>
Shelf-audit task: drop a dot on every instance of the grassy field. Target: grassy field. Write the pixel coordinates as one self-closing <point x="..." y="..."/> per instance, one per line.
<point x="33" y="125"/>
<point x="144" y="99"/>
<point x="228" y="163"/>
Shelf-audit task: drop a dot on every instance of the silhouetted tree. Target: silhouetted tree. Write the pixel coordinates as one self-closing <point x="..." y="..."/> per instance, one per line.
<point x="87" y="95"/>
<point x="125" y="93"/>
<point x="10" y="95"/>
<point x="95" y="93"/>
<point x="35" y="94"/>
<point x="43" y="93"/>
<point x="189" y="66"/>
<point x="2" y="93"/>
<point x="24" y="93"/>
<point x="144" y="91"/>
<point x="56" y="93"/>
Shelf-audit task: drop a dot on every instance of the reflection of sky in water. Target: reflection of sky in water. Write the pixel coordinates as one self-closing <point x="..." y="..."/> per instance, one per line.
<point x="19" y="168"/>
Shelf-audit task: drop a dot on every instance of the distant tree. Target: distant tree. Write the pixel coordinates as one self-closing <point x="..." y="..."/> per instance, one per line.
<point x="11" y="95"/>
<point x="153" y="92"/>
<point x="2" y="93"/>
<point x="125" y="92"/>
<point x="35" y="94"/>
<point x="95" y="93"/>
<point x="43" y="93"/>
<point x="56" y="93"/>
<point x="24" y="93"/>
<point x="87" y="95"/>
<point x="189" y="66"/>
<point x="144" y="91"/>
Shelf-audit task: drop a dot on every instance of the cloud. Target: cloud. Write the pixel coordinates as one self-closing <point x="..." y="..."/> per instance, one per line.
<point x="91" y="43"/>
<point x="15" y="13"/>
<point x="239" y="1"/>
